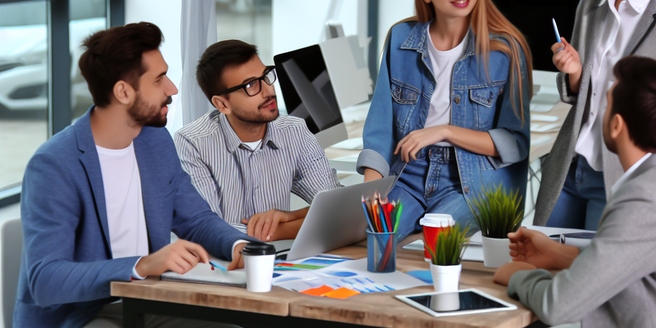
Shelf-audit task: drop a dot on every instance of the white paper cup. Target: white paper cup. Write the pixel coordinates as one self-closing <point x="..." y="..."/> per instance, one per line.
<point x="258" y="262"/>
<point x="432" y="224"/>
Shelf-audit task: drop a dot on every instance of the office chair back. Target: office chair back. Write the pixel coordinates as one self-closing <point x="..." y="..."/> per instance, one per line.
<point x="12" y="248"/>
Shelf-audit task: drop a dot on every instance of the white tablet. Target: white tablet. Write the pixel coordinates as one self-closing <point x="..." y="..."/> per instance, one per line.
<point x="466" y="301"/>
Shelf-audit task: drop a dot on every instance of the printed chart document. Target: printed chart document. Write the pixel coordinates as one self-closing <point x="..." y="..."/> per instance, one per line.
<point x="203" y="273"/>
<point x="351" y="274"/>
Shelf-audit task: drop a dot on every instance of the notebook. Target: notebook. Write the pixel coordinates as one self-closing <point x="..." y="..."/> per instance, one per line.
<point x="203" y="273"/>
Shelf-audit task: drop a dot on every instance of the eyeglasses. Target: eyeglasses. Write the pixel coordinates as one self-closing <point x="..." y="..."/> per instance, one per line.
<point x="254" y="86"/>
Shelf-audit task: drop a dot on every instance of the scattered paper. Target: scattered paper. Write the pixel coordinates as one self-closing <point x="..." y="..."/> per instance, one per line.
<point x="319" y="291"/>
<point x="542" y="140"/>
<point x="351" y="274"/>
<point x="311" y="263"/>
<point x="341" y="293"/>
<point x="473" y="252"/>
<point x="549" y="127"/>
<point x="350" y="144"/>
<point x="544" y="118"/>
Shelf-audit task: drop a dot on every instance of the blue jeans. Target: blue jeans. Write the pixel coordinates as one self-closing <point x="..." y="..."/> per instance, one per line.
<point x="430" y="184"/>
<point x="582" y="200"/>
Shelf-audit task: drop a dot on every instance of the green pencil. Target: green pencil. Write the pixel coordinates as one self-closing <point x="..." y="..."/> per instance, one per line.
<point x="398" y="215"/>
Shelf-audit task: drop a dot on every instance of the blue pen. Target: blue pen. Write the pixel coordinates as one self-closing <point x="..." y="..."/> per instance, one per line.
<point x="217" y="265"/>
<point x="382" y="218"/>
<point x="553" y="20"/>
<point x="366" y="214"/>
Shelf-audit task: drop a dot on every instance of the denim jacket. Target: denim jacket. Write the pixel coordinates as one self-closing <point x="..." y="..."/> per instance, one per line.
<point x="402" y="98"/>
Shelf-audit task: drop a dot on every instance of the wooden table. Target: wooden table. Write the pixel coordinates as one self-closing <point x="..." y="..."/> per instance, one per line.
<point x="283" y="308"/>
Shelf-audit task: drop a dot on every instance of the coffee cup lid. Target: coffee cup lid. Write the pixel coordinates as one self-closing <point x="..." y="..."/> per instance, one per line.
<point x="438" y="220"/>
<point x="258" y="248"/>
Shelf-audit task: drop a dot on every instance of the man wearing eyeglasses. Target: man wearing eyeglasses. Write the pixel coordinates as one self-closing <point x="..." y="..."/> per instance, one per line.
<point x="244" y="158"/>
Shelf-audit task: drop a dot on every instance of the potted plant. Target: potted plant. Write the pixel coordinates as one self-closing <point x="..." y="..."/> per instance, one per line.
<point x="497" y="213"/>
<point x="445" y="255"/>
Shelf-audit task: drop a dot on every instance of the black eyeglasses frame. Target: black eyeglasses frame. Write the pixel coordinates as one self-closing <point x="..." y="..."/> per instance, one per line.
<point x="259" y="80"/>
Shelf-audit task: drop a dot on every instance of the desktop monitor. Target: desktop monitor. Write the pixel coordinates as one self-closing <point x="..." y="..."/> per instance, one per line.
<point x="320" y="80"/>
<point x="308" y="93"/>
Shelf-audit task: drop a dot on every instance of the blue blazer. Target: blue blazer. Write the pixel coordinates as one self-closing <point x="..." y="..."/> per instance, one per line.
<point x="67" y="262"/>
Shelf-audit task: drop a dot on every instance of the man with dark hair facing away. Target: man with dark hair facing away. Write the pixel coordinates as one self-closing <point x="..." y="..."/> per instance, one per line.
<point x="101" y="197"/>
<point x="609" y="283"/>
<point x="245" y="159"/>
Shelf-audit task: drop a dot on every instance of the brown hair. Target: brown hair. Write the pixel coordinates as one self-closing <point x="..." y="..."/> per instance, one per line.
<point x="115" y="54"/>
<point x="486" y="18"/>
<point x="634" y="98"/>
<point x="216" y="59"/>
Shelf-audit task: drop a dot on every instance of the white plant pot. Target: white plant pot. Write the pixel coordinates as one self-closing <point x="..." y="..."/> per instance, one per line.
<point x="446" y="277"/>
<point x="495" y="252"/>
<point x="449" y="301"/>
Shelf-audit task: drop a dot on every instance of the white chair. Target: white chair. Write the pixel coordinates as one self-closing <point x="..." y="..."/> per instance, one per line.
<point x="12" y="248"/>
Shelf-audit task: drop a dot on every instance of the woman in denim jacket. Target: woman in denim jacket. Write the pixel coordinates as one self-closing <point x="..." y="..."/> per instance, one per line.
<point x="453" y="106"/>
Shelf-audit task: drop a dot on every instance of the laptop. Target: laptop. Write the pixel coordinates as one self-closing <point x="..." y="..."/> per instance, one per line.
<point x="336" y="219"/>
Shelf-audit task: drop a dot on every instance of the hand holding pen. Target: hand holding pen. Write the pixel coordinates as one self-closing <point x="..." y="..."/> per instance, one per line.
<point x="567" y="60"/>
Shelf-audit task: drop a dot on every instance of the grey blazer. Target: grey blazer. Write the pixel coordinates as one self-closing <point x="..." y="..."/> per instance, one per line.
<point x="590" y="16"/>
<point x="612" y="283"/>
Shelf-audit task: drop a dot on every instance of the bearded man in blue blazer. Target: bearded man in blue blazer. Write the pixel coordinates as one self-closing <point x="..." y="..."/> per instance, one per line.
<point x="101" y="197"/>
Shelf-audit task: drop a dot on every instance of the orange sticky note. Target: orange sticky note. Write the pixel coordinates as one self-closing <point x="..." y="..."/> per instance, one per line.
<point x="341" y="293"/>
<point x="318" y="291"/>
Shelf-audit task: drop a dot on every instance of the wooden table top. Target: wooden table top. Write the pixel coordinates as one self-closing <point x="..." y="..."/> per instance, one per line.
<point x="374" y="309"/>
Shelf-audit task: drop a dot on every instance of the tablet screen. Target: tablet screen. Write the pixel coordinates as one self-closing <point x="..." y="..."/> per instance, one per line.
<point x="454" y="303"/>
<point x="449" y="302"/>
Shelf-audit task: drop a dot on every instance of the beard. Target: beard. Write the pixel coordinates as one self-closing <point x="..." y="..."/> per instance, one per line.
<point x="258" y="117"/>
<point x="145" y="114"/>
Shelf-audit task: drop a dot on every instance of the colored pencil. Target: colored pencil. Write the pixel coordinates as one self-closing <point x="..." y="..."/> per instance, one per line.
<point x="366" y="214"/>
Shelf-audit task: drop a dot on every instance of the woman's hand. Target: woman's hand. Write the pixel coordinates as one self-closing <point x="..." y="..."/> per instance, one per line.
<point x="567" y="61"/>
<point x="371" y="175"/>
<point x="412" y="143"/>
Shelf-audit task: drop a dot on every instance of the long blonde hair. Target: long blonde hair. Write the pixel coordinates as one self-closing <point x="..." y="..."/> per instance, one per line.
<point x="486" y="18"/>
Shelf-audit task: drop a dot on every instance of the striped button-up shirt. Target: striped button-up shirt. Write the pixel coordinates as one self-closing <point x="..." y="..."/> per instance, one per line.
<point x="238" y="182"/>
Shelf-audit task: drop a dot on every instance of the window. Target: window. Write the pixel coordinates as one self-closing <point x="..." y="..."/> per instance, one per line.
<point x="30" y="111"/>
<point x="23" y="86"/>
<point x="248" y="21"/>
<point x="86" y="17"/>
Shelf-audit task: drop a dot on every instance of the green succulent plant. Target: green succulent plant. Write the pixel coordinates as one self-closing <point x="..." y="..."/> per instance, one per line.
<point x="497" y="213"/>
<point x="449" y="246"/>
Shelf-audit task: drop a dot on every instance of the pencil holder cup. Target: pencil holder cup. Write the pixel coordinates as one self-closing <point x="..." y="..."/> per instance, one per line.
<point x="381" y="251"/>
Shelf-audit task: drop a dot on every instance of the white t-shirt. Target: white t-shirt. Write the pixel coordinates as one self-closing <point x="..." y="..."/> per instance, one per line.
<point x="253" y="145"/>
<point x="442" y="62"/>
<point x="125" y="213"/>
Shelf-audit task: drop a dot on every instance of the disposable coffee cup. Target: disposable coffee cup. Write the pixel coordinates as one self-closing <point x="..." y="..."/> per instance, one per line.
<point x="433" y="224"/>
<point x="258" y="262"/>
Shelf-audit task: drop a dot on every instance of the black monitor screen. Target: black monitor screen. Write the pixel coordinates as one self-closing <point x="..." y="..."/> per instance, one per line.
<point x="306" y="88"/>
<point x="533" y="19"/>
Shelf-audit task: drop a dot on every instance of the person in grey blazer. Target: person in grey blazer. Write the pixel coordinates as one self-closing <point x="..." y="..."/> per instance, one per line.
<point x="579" y="172"/>
<point x="609" y="283"/>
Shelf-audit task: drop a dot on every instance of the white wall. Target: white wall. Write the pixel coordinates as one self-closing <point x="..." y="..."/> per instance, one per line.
<point x="166" y="15"/>
<point x="301" y="23"/>
<point x="390" y="12"/>
<point x="295" y="24"/>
